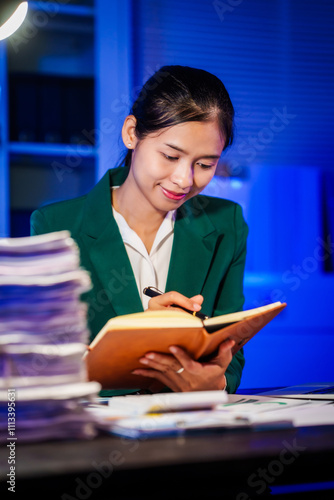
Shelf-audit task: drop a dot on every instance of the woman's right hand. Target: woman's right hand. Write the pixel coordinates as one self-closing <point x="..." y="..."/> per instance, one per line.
<point x="174" y="299"/>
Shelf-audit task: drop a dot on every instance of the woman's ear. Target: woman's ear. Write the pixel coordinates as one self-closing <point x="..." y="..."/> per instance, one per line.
<point x="129" y="132"/>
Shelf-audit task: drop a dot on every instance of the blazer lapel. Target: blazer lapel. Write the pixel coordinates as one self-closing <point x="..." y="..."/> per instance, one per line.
<point x="105" y="247"/>
<point x="195" y="239"/>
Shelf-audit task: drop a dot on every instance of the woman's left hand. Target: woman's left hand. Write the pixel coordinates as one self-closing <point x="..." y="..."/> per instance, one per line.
<point x="181" y="373"/>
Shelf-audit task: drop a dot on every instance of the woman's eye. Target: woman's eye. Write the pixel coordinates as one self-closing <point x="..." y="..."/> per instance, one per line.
<point x="203" y="165"/>
<point x="171" y="158"/>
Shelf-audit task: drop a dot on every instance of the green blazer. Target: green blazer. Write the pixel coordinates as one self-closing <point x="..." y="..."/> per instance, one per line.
<point x="208" y="255"/>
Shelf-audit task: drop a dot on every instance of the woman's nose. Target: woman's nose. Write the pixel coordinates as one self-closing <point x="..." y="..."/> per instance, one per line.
<point x="183" y="175"/>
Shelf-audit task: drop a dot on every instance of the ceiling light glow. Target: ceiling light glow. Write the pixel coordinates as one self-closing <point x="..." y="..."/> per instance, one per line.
<point x="14" y="22"/>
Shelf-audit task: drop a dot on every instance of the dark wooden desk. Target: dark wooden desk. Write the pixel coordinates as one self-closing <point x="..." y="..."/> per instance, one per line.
<point x="220" y="465"/>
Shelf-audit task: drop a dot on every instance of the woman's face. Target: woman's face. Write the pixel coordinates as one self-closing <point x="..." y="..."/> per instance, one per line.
<point x="175" y="164"/>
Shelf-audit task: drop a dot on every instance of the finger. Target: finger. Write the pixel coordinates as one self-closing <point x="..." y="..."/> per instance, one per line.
<point x="224" y="356"/>
<point x="189" y="364"/>
<point x="198" y="298"/>
<point x="160" y="362"/>
<point x="226" y="346"/>
<point x="175" y="299"/>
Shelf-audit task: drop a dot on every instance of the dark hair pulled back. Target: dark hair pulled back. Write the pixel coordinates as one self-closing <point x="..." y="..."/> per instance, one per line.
<point x="179" y="94"/>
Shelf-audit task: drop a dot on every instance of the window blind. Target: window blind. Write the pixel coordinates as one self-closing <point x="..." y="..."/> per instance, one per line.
<point x="275" y="58"/>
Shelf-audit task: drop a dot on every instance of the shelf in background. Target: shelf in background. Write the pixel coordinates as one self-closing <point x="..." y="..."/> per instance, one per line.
<point x="48" y="149"/>
<point x="53" y="8"/>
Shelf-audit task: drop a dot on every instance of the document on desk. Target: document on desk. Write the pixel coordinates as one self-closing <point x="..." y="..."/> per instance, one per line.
<point x="309" y="414"/>
<point x="300" y="412"/>
<point x="160" y="424"/>
<point x="243" y="404"/>
<point x="140" y="418"/>
<point x="134" y="405"/>
<point x="176" y="413"/>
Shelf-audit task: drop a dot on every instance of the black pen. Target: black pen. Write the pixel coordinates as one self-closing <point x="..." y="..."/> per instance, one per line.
<point x="151" y="291"/>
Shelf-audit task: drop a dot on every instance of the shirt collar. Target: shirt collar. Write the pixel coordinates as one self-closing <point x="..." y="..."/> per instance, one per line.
<point x="130" y="237"/>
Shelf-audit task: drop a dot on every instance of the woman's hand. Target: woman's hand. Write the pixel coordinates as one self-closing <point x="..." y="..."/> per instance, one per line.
<point x="181" y="373"/>
<point x="175" y="299"/>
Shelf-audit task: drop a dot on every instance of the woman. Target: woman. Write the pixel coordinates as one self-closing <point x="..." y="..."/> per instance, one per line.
<point x="145" y="224"/>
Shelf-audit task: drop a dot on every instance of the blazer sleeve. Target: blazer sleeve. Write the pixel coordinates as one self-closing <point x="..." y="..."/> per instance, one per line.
<point x="231" y="296"/>
<point x="38" y="224"/>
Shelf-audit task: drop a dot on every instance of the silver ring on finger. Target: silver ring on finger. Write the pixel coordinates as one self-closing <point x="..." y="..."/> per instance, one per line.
<point x="180" y="370"/>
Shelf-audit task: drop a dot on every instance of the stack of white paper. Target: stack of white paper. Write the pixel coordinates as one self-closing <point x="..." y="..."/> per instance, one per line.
<point x="43" y="336"/>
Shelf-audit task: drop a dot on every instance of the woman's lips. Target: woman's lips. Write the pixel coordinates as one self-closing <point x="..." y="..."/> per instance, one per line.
<point x="172" y="195"/>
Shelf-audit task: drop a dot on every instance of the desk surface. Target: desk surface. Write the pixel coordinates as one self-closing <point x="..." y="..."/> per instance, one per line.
<point x="52" y="458"/>
<point x="201" y="465"/>
<point x="286" y="456"/>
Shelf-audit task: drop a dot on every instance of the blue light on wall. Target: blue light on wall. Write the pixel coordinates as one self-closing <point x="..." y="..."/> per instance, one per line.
<point x="275" y="59"/>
